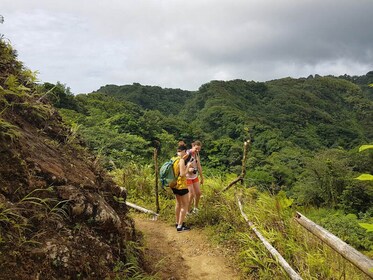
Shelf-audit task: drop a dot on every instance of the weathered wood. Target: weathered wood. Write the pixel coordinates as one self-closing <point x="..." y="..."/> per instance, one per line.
<point x="241" y="177"/>
<point x="289" y="270"/>
<point x="142" y="209"/>
<point x="361" y="261"/>
<point x="156" y="179"/>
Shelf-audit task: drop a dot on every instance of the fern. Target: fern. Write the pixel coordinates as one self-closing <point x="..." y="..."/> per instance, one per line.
<point x="7" y="130"/>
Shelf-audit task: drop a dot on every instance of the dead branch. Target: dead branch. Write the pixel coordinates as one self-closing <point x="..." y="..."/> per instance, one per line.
<point x="241" y="177"/>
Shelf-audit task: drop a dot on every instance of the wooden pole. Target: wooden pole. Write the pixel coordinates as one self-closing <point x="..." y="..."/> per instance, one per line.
<point x="361" y="261"/>
<point x="243" y="168"/>
<point x="291" y="272"/>
<point x="141" y="209"/>
<point x="156" y="179"/>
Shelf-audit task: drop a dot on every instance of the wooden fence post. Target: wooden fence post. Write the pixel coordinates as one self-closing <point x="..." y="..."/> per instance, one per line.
<point x="243" y="168"/>
<point x="156" y="179"/>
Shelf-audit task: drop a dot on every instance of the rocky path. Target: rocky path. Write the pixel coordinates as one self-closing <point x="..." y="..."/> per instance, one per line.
<point x="186" y="255"/>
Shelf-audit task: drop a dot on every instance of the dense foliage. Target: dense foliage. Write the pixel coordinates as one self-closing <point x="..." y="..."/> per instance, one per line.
<point x="304" y="132"/>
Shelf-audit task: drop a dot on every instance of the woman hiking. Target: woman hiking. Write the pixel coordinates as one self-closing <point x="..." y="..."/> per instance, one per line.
<point x="194" y="170"/>
<point x="181" y="191"/>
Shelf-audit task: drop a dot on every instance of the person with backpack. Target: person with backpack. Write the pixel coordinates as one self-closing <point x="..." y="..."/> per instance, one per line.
<point x="180" y="190"/>
<point x="194" y="170"/>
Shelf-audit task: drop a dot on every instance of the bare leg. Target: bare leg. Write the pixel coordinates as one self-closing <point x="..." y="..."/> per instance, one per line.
<point x="197" y="193"/>
<point x="184" y="201"/>
<point x="177" y="209"/>
<point x="191" y="196"/>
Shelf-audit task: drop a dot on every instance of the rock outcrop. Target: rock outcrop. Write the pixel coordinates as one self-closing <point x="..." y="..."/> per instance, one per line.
<point x="58" y="215"/>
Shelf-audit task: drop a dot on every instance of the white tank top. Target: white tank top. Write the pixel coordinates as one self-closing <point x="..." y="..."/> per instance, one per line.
<point x="193" y="164"/>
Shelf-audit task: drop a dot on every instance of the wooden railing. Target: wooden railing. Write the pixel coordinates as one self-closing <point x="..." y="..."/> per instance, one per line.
<point x="358" y="259"/>
<point x="291" y="272"/>
<point x="361" y="261"/>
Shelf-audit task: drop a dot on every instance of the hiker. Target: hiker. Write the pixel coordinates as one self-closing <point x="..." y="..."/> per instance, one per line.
<point x="194" y="170"/>
<point x="181" y="191"/>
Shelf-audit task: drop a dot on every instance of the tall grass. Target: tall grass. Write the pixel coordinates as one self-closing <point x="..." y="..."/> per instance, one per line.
<point x="18" y="220"/>
<point x="132" y="269"/>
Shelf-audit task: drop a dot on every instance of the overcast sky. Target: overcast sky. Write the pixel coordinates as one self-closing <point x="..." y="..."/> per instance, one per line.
<point x="86" y="44"/>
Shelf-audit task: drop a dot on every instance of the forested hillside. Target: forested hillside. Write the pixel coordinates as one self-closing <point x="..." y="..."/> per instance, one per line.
<point x="299" y="128"/>
<point x="167" y="101"/>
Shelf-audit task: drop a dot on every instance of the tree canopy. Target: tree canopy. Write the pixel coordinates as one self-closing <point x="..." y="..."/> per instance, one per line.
<point x="298" y="128"/>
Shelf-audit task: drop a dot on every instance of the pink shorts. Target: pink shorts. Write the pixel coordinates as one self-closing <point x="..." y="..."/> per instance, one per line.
<point x="192" y="181"/>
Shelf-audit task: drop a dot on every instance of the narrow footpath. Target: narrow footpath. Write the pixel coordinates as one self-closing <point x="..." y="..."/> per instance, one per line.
<point x="179" y="256"/>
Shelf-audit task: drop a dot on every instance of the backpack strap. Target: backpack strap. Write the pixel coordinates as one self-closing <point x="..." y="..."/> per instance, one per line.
<point x="187" y="158"/>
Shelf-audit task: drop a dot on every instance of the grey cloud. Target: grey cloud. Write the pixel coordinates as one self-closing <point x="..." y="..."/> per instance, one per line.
<point x="183" y="44"/>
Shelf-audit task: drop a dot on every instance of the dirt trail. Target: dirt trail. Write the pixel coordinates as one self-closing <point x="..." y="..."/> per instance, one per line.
<point x="184" y="255"/>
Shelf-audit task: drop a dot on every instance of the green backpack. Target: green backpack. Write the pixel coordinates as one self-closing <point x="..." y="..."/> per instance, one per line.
<point x="169" y="172"/>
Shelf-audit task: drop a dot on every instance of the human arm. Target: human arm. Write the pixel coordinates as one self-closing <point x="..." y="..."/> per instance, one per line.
<point x="182" y="168"/>
<point x="199" y="167"/>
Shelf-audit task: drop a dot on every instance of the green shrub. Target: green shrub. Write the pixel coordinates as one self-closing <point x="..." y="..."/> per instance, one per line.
<point x="346" y="227"/>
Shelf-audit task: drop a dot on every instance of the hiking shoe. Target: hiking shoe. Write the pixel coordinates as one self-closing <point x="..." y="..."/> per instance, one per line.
<point x="182" y="229"/>
<point x="195" y="211"/>
<point x="181" y="225"/>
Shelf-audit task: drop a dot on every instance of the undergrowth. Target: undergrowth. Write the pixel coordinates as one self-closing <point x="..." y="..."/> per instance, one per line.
<point x="19" y="220"/>
<point x="132" y="269"/>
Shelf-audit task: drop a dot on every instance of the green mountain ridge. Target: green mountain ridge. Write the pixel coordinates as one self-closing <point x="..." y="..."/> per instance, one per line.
<point x="313" y="112"/>
<point x="149" y="97"/>
<point x="296" y="127"/>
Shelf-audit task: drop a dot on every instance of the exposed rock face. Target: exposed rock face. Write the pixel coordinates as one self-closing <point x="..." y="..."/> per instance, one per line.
<point x="88" y="205"/>
<point x="58" y="217"/>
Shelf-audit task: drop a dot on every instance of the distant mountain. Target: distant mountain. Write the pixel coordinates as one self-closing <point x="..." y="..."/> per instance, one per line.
<point x="311" y="112"/>
<point x="167" y="101"/>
